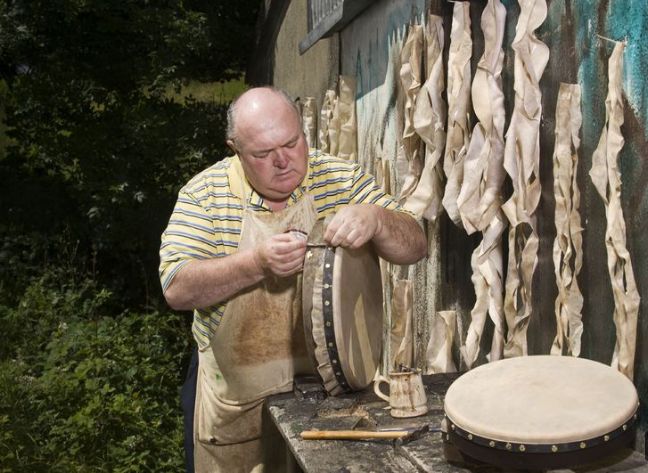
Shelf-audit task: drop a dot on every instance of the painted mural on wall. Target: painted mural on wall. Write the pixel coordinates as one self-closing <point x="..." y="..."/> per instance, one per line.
<point x="578" y="35"/>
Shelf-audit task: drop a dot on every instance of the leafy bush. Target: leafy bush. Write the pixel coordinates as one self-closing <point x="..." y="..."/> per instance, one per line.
<point x="83" y="392"/>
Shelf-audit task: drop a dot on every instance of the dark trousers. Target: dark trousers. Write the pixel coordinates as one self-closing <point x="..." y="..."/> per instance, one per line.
<point x="188" y="401"/>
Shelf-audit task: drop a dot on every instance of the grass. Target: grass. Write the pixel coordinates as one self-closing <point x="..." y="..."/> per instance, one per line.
<point x="219" y="92"/>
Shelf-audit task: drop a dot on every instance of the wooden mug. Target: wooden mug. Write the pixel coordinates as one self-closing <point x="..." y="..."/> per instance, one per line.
<point x="406" y="393"/>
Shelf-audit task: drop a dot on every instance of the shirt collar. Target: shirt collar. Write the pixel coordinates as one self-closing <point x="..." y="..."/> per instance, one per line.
<point x="241" y="188"/>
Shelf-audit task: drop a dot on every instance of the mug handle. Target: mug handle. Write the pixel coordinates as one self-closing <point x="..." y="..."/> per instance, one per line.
<point x="377" y="381"/>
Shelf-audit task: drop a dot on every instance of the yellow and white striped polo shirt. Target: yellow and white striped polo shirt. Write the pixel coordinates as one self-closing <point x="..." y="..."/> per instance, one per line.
<point x="206" y="220"/>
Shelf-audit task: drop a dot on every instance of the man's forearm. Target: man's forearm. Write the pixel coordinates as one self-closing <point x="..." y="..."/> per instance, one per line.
<point x="400" y="239"/>
<point x="203" y="283"/>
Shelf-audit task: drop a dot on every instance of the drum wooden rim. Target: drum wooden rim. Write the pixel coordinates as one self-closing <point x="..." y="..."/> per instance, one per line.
<point x="519" y="456"/>
<point x="332" y="338"/>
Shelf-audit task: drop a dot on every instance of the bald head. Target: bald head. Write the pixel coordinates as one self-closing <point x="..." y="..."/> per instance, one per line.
<point x="265" y="131"/>
<point x="257" y="103"/>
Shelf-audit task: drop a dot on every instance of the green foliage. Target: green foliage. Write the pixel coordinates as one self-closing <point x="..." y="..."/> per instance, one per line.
<point x="97" y="147"/>
<point x="99" y="128"/>
<point x="82" y="392"/>
<point x="108" y="176"/>
<point x="124" y="45"/>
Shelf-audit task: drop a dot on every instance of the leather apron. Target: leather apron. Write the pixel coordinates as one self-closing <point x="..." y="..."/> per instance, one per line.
<point x="256" y="351"/>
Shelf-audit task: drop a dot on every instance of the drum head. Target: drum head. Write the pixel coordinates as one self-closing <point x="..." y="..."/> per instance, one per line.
<point x="342" y="302"/>
<point x="556" y="410"/>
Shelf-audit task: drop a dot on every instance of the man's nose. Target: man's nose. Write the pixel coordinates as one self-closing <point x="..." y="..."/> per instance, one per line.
<point x="280" y="159"/>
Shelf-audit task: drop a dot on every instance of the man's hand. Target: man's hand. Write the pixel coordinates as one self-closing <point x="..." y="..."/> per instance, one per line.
<point x="353" y="226"/>
<point x="281" y="255"/>
<point x="396" y="236"/>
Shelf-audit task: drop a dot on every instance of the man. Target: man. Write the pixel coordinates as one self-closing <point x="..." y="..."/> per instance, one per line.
<point x="227" y="254"/>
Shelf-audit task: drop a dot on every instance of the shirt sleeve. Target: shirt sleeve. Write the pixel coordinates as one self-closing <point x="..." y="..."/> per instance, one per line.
<point x="365" y="190"/>
<point x="188" y="236"/>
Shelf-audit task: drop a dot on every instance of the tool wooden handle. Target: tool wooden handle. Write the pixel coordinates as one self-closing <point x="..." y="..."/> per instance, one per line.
<point x="352" y="434"/>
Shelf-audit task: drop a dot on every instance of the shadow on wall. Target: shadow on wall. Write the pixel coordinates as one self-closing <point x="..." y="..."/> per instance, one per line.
<point x="260" y="69"/>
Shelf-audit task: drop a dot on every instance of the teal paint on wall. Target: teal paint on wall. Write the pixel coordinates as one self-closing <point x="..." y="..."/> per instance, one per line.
<point x="590" y="77"/>
<point x="387" y="37"/>
<point x="628" y="20"/>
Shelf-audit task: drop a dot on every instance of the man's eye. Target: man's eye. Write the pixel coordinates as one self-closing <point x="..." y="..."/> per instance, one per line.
<point x="292" y="144"/>
<point x="260" y="155"/>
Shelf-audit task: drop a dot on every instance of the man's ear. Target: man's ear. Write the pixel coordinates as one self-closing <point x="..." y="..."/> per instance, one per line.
<point x="231" y="145"/>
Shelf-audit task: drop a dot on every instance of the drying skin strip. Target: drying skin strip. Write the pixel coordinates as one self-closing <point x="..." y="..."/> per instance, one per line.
<point x="326" y="115"/>
<point x="607" y="180"/>
<point x="480" y="199"/>
<point x="486" y="263"/>
<point x="334" y="128"/>
<point x="383" y="179"/>
<point x="439" y="350"/>
<point x="522" y="163"/>
<point x="429" y="123"/>
<point x="348" y="141"/>
<point x="309" y="121"/>
<point x="402" y="332"/>
<point x="568" y="245"/>
<point x="410" y="79"/>
<point x="458" y="91"/>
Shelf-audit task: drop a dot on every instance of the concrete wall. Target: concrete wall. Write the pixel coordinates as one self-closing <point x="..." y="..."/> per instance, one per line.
<point x="307" y="75"/>
<point x="368" y="50"/>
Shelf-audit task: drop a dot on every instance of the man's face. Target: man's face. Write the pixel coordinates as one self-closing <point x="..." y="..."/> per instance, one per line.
<point x="273" y="152"/>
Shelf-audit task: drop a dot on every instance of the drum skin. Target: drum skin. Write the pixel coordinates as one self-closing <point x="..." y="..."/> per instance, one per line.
<point x="541" y="411"/>
<point x="342" y="307"/>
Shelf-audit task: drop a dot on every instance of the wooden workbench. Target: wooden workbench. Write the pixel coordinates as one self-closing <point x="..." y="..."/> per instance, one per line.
<point x="308" y="409"/>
